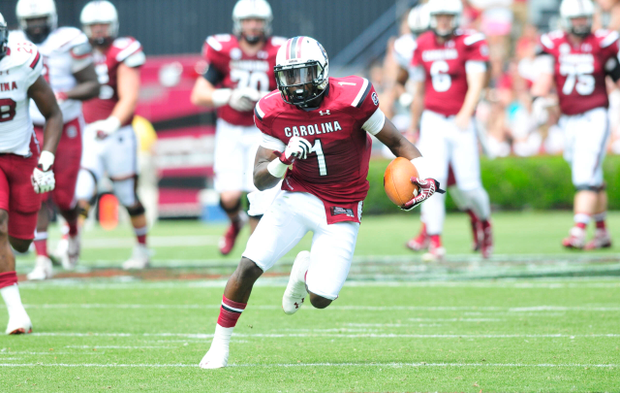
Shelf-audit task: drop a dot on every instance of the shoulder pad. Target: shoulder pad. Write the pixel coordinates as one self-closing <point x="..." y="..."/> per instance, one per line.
<point x="23" y="53"/>
<point x="218" y="41"/>
<point x="68" y="37"/>
<point x="123" y="42"/>
<point x="470" y="39"/>
<point x="546" y="41"/>
<point x="267" y="105"/>
<point x="606" y="37"/>
<point x="124" y="47"/>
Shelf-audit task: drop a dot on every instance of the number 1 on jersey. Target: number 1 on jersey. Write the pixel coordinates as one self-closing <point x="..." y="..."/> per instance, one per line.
<point x="318" y="149"/>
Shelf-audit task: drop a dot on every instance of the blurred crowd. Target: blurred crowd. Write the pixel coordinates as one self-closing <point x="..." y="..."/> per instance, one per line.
<point x="507" y="124"/>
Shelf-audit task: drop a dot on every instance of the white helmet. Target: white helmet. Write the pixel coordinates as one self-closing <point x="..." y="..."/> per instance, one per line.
<point x="445" y="7"/>
<point x="30" y="9"/>
<point x="4" y="36"/>
<point x="419" y="19"/>
<point x="247" y="9"/>
<point x="99" y="12"/>
<point x="302" y="71"/>
<point x="570" y="9"/>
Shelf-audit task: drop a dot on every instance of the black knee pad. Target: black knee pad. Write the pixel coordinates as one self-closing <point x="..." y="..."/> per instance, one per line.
<point x="233" y="209"/>
<point x="83" y="211"/>
<point x="135" y="210"/>
<point x="596" y="189"/>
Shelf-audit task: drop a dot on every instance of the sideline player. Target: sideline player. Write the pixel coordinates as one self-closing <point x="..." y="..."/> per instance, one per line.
<point x="68" y="68"/>
<point x="449" y="67"/>
<point x="321" y="126"/>
<point x="240" y="73"/>
<point x="110" y="143"/>
<point x="21" y="178"/>
<point x="578" y="61"/>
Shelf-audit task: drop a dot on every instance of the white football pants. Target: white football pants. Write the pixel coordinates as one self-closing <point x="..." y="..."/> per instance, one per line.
<point x="443" y="144"/>
<point x="286" y="222"/>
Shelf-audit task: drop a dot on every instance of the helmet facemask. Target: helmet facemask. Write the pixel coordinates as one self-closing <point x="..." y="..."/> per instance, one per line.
<point x="99" y="41"/>
<point x="37" y="29"/>
<point x="4" y="39"/>
<point x="453" y="25"/>
<point x="301" y="84"/>
<point x="254" y="38"/>
<point x="581" y="31"/>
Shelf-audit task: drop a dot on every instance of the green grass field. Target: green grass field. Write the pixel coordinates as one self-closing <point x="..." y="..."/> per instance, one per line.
<point x="533" y="318"/>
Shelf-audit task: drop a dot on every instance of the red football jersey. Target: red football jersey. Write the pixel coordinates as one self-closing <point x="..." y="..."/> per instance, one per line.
<point x="580" y="70"/>
<point x="444" y="68"/>
<point x="239" y="70"/>
<point x="337" y="167"/>
<point x="123" y="50"/>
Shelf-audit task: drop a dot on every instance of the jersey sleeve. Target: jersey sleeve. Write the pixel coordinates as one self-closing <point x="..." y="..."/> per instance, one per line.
<point x="477" y="48"/>
<point x="35" y="68"/>
<point x="129" y="52"/>
<point x="213" y="54"/>
<point x="366" y="102"/>
<point x="81" y="53"/>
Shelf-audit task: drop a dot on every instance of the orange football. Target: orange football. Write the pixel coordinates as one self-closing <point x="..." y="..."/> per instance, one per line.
<point x="397" y="181"/>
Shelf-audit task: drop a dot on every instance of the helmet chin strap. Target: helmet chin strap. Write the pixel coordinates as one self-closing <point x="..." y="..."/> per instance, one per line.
<point x="254" y="39"/>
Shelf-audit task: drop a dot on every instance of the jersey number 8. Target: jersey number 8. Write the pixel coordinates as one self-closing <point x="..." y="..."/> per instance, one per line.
<point x="7" y="109"/>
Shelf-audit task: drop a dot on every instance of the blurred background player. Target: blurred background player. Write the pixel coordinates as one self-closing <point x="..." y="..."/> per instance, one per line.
<point x="399" y="90"/>
<point x="324" y="191"/>
<point x="578" y="61"/>
<point x="68" y="68"/>
<point x="240" y="72"/>
<point x="110" y="143"/>
<point x="21" y="178"/>
<point x="450" y="70"/>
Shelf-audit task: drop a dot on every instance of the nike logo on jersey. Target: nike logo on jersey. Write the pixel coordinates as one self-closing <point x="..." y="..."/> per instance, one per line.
<point x="8" y="86"/>
<point x="312" y="129"/>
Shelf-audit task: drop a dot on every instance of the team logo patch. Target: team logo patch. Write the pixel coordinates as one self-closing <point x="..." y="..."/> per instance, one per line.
<point x="484" y="50"/>
<point x="71" y="132"/>
<point x="564" y="48"/>
<point x="337" y="211"/>
<point x="235" y="53"/>
<point x="375" y="98"/>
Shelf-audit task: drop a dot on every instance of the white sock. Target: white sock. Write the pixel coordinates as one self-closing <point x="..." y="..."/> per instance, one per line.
<point x="12" y="300"/>
<point x="221" y="337"/>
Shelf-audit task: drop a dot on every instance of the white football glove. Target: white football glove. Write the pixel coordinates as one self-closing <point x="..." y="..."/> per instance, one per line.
<point x="103" y="128"/>
<point x="244" y="99"/>
<point x="42" y="177"/>
<point x="540" y="110"/>
<point x="297" y="148"/>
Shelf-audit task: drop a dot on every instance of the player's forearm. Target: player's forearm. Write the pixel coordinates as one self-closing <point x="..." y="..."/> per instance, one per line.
<point x="263" y="179"/>
<point x="404" y="148"/>
<point x="84" y="91"/>
<point x="125" y="108"/>
<point x="474" y="90"/>
<point x="52" y="131"/>
<point x="416" y="110"/>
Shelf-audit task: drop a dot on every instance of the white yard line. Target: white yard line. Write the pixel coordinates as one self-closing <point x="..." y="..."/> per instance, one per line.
<point x="116" y="347"/>
<point x="330" y="335"/>
<point x="277" y="282"/>
<point x="515" y="310"/>
<point x="286" y="365"/>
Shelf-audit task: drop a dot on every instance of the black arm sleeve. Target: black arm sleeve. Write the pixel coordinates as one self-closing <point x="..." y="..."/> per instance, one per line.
<point x="613" y="69"/>
<point x="213" y="76"/>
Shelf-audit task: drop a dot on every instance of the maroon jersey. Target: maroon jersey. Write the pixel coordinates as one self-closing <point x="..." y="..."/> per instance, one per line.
<point x="444" y="68"/>
<point x="580" y="69"/>
<point x="238" y="70"/>
<point x="337" y="167"/>
<point x="123" y="50"/>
